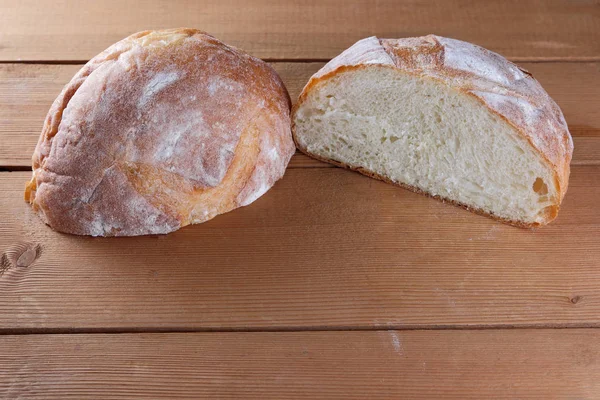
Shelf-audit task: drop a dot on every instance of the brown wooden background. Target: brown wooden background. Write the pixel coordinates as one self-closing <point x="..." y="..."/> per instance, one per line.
<point x="332" y="285"/>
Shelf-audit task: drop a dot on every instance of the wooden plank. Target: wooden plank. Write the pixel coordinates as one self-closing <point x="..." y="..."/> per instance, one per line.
<point x="27" y="91"/>
<point x="325" y="248"/>
<point x="520" y="29"/>
<point x="505" y="364"/>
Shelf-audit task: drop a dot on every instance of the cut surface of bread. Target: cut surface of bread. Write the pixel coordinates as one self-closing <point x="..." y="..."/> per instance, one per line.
<point x="161" y="130"/>
<point x="406" y="126"/>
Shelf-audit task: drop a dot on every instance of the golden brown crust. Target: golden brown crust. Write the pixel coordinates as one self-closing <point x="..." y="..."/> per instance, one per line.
<point x="162" y="129"/>
<point x="504" y="88"/>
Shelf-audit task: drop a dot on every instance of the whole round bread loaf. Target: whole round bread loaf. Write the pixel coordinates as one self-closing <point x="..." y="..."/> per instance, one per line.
<point x="161" y="130"/>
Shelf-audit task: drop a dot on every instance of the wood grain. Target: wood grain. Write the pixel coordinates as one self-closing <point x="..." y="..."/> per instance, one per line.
<point x="301" y="29"/>
<point x="326" y="248"/>
<point x="506" y="364"/>
<point x="27" y="91"/>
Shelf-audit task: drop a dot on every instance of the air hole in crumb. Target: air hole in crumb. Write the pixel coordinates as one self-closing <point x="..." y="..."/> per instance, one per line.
<point x="383" y="139"/>
<point x="329" y="96"/>
<point x="540" y="187"/>
<point x="393" y="138"/>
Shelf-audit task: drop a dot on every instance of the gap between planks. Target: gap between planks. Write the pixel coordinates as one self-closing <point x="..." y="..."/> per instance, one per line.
<point x="393" y="327"/>
<point x="299" y="160"/>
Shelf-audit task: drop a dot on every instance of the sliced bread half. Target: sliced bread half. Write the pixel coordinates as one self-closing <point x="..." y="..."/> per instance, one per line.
<point x="441" y="117"/>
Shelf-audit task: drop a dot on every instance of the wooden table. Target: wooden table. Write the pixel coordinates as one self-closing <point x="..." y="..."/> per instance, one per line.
<point x="332" y="285"/>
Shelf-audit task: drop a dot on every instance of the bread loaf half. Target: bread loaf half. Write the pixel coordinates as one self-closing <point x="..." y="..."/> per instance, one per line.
<point x="441" y="117"/>
<point x="161" y="130"/>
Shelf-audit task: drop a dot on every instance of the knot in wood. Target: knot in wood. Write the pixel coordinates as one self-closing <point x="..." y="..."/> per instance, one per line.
<point x="20" y="255"/>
